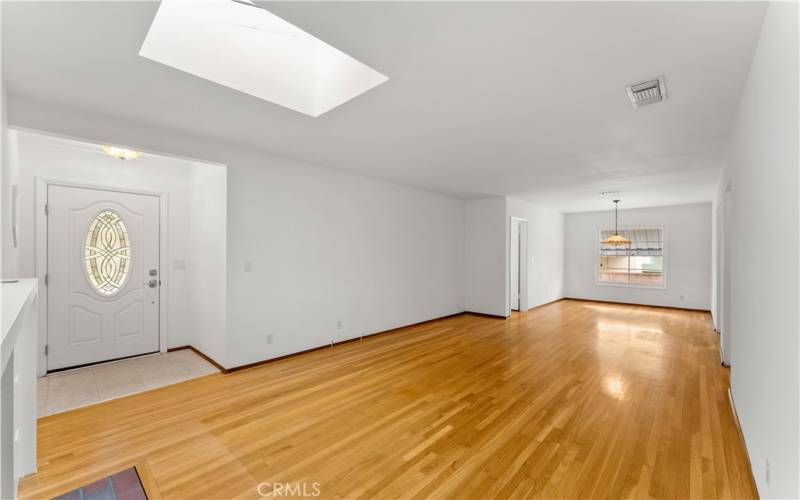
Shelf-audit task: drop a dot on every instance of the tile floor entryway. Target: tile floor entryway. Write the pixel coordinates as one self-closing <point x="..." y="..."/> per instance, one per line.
<point x="62" y="391"/>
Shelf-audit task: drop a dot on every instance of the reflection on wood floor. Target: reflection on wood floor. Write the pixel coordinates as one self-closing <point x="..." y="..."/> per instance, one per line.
<point x="571" y="400"/>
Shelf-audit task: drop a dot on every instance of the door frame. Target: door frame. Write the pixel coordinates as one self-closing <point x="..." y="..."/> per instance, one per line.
<point x="523" y="264"/>
<point x="42" y="183"/>
<point x="725" y="297"/>
<point x="717" y="316"/>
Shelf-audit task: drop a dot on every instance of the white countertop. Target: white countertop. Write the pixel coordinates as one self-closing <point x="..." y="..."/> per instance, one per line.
<point x="14" y="298"/>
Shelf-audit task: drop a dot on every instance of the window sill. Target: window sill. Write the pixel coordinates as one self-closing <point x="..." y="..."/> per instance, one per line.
<point x="629" y="285"/>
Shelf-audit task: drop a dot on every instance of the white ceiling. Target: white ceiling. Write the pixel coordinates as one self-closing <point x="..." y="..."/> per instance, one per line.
<point x="521" y="99"/>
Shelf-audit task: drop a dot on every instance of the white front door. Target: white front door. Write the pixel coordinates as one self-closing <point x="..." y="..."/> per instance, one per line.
<point x="102" y="275"/>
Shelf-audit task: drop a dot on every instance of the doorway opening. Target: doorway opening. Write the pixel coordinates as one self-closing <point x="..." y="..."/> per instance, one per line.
<point x="724" y="280"/>
<point x="518" y="264"/>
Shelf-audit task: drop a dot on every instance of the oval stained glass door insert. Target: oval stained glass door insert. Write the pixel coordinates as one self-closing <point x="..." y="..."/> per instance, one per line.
<point x="107" y="253"/>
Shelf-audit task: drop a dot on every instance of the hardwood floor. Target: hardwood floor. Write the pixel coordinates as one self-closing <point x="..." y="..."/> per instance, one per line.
<point x="571" y="400"/>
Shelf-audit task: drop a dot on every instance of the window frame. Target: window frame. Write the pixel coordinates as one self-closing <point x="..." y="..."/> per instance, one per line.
<point x="664" y="259"/>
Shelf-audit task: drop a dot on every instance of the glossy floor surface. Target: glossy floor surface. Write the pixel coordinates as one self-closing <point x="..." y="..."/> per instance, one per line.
<point x="571" y="400"/>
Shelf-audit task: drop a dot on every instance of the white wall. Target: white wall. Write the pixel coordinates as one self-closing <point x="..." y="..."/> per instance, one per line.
<point x="324" y="246"/>
<point x="9" y="177"/>
<point x="207" y="260"/>
<point x="545" y="247"/>
<point x="688" y="256"/>
<point x="485" y="270"/>
<point x="4" y="223"/>
<point x="61" y="159"/>
<point x="763" y="171"/>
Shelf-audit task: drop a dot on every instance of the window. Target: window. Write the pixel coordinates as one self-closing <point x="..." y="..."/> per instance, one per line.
<point x="107" y="253"/>
<point x="639" y="264"/>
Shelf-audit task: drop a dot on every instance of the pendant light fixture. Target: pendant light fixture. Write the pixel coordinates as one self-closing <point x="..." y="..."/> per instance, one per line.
<point x="616" y="239"/>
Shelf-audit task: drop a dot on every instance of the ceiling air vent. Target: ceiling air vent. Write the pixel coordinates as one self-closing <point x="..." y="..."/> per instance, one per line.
<point x="648" y="92"/>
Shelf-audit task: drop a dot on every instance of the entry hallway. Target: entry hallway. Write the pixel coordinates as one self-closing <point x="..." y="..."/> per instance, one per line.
<point x="573" y="399"/>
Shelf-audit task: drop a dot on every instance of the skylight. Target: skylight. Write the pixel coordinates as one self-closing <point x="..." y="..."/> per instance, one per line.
<point x="242" y="46"/>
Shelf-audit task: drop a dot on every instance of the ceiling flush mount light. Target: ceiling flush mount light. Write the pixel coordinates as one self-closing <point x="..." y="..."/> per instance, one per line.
<point x="242" y="46"/>
<point x="616" y="239"/>
<point x="121" y="153"/>
<point x="650" y="92"/>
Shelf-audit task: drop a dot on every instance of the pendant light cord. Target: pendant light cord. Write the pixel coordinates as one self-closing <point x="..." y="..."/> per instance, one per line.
<point x="616" y="216"/>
